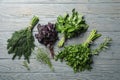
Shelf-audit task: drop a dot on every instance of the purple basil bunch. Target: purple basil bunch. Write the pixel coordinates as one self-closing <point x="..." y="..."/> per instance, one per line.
<point x="47" y="35"/>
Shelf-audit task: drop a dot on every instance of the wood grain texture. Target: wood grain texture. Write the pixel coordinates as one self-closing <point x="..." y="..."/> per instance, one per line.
<point x="55" y="76"/>
<point x="102" y="70"/>
<point x="9" y="66"/>
<point x="59" y="1"/>
<point x="107" y="15"/>
<point x="44" y="1"/>
<point x="103" y="15"/>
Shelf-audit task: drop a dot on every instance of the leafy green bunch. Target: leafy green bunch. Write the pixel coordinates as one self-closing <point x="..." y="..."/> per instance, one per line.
<point x="70" y="25"/>
<point x="79" y="56"/>
<point x="22" y="42"/>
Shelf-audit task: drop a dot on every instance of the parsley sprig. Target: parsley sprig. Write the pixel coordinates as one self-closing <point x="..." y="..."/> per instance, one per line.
<point x="79" y="56"/>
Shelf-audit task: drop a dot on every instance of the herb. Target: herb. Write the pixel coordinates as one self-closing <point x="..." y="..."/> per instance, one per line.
<point x="102" y="46"/>
<point x="79" y="56"/>
<point x="22" y="42"/>
<point x="25" y="64"/>
<point x="70" y="26"/>
<point x="43" y="58"/>
<point x="47" y="35"/>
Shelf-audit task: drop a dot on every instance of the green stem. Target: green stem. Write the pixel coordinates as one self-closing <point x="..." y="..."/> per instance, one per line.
<point x="62" y="41"/>
<point x="33" y="22"/>
<point x="93" y="35"/>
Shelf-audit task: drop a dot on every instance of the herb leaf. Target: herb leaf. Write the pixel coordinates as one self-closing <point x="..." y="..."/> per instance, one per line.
<point x="79" y="56"/>
<point x="47" y="35"/>
<point x="70" y="25"/>
<point x="22" y="42"/>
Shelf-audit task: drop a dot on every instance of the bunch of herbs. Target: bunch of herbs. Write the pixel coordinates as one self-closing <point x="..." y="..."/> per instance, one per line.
<point x="79" y="56"/>
<point x="47" y="35"/>
<point x="22" y="42"/>
<point x="70" y="26"/>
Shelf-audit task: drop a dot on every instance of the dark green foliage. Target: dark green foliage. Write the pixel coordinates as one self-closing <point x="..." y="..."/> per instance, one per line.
<point x="43" y="58"/>
<point x="22" y="42"/>
<point x="76" y="56"/>
<point x="79" y="57"/>
<point x="70" y="25"/>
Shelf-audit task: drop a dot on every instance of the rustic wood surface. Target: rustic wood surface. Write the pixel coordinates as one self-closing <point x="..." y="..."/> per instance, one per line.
<point x="103" y="15"/>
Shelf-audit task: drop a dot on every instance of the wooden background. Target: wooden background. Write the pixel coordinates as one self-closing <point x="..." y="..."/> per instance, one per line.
<point x="103" y="15"/>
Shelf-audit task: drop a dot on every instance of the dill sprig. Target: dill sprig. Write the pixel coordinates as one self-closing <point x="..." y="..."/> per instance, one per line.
<point x="22" y="42"/>
<point x="25" y="64"/>
<point x="43" y="58"/>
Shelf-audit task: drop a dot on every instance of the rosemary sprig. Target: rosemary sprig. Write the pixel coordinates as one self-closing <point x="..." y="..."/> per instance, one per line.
<point x="102" y="46"/>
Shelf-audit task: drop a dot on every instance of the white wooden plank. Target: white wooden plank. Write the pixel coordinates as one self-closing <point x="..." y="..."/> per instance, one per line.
<point x="110" y="24"/>
<point x="57" y="76"/>
<point x="102" y="69"/>
<point x="44" y="1"/>
<point x="56" y="9"/>
<point x="37" y="76"/>
<point x="104" y="1"/>
<point x="59" y="1"/>
<point x="102" y="15"/>
<point x="100" y="65"/>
